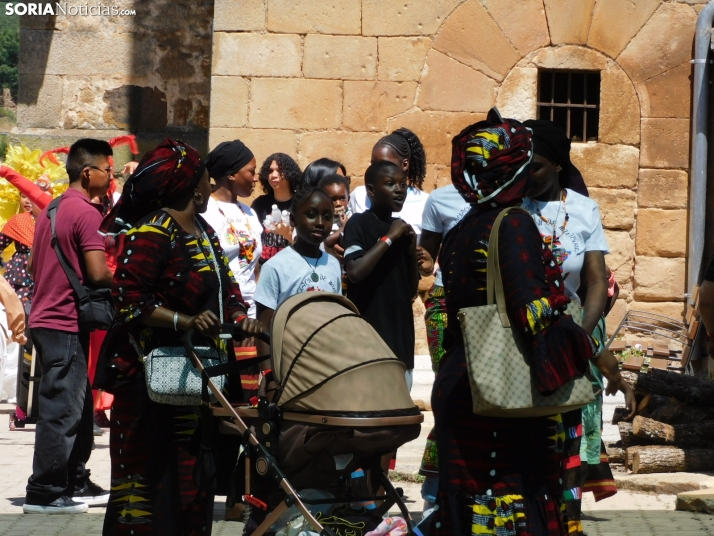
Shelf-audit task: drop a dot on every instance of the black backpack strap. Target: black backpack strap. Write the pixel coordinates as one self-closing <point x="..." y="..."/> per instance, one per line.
<point x="52" y="209"/>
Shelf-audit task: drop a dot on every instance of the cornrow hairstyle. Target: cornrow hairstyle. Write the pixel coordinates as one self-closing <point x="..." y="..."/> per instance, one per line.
<point x="301" y="196"/>
<point x="407" y="145"/>
<point x="334" y="178"/>
<point x="287" y="167"/>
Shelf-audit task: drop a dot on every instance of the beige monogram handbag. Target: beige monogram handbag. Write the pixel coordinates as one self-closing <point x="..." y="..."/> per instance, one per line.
<point x="498" y="364"/>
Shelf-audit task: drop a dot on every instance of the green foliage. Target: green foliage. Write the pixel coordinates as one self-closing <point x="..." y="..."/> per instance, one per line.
<point x="3" y="146"/>
<point x="9" y="49"/>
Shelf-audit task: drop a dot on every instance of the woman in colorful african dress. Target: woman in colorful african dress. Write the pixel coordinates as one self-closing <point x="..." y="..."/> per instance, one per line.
<point x="503" y="476"/>
<point x="571" y="227"/>
<point x="172" y="276"/>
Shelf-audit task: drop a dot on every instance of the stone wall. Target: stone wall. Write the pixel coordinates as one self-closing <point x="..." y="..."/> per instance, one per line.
<point x="147" y="74"/>
<point x="317" y="79"/>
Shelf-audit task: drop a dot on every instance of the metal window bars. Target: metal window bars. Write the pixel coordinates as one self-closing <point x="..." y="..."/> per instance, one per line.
<point x="571" y="99"/>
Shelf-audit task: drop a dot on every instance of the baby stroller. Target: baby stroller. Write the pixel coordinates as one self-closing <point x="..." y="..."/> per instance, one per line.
<point x="341" y="404"/>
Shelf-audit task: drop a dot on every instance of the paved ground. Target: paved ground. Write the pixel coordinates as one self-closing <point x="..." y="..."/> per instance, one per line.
<point x="627" y="513"/>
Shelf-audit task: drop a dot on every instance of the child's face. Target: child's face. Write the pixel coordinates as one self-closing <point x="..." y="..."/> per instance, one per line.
<point x="339" y="195"/>
<point x="313" y="221"/>
<point x="389" y="190"/>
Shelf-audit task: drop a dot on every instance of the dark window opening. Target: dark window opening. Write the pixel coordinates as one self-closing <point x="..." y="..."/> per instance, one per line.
<point x="571" y="99"/>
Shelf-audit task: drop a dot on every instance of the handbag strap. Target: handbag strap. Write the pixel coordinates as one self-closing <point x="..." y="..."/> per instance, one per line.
<point x="52" y="209"/>
<point x="494" y="281"/>
<point x="214" y="259"/>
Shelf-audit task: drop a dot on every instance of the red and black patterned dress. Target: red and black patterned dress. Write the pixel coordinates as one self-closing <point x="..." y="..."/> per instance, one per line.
<point x="501" y="476"/>
<point x="152" y="490"/>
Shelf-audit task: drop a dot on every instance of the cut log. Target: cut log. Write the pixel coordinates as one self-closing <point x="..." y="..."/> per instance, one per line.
<point x="643" y="403"/>
<point x="697" y="435"/>
<point x="688" y="389"/>
<point x="619" y="415"/>
<point x="615" y="455"/>
<point x="676" y="412"/>
<point x="626" y="435"/>
<point x="630" y="453"/>
<point x="654" y="459"/>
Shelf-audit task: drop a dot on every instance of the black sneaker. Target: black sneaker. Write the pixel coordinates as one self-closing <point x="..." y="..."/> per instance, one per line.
<point x="91" y="495"/>
<point x="63" y="505"/>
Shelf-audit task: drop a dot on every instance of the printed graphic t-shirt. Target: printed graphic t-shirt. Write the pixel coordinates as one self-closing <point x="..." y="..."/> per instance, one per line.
<point x="238" y="229"/>
<point x="581" y="233"/>
<point x="289" y="273"/>
<point x="443" y="210"/>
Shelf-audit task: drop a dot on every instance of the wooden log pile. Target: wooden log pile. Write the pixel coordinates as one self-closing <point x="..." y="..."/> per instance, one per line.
<point x="673" y="430"/>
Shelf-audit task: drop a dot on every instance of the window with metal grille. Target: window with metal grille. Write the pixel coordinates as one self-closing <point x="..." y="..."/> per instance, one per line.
<point x="571" y="99"/>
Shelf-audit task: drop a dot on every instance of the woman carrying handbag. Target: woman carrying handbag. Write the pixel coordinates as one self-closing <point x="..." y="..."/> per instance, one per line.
<point x="171" y="277"/>
<point x="503" y="474"/>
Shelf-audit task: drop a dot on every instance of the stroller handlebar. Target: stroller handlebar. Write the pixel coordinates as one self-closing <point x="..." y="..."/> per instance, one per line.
<point x="228" y="331"/>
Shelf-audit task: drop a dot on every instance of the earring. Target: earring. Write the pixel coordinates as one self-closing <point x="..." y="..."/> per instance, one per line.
<point x="559" y="169"/>
<point x="198" y="199"/>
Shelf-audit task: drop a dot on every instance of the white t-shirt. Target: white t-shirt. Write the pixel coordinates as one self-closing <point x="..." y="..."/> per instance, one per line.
<point x="443" y="210"/>
<point x="238" y="229"/>
<point x="411" y="211"/>
<point x="289" y="273"/>
<point x="583" y="232"/>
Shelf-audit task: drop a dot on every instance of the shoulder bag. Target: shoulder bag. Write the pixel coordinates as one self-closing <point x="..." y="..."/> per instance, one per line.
<point x="500" y="377"/>
<point x="96" y="307"/>
<point x="171" y="377"/>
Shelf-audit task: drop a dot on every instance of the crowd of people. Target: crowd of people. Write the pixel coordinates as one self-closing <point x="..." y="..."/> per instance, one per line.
<point x="182" y="249"/>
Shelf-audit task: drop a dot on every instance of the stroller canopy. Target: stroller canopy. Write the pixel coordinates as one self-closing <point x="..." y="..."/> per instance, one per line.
<point x="328" y="359"/>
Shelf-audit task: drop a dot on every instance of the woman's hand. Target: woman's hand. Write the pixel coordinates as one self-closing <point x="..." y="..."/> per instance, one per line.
<point x="618" y="383"/>
<point x="206" y="323"/>
<point x="251" y="326"/>
<point x="286" y="231"/>
<point x="424" y="260"/>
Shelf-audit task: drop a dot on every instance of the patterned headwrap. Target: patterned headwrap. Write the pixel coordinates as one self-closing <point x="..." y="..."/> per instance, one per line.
<point x="164" y="175"/>
<point x="490" y="161"/>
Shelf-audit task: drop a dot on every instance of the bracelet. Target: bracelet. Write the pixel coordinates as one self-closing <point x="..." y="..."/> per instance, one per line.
<point x="240" y="319"/>
<point x="175" y="320"/>
<point x="386" y="240"/>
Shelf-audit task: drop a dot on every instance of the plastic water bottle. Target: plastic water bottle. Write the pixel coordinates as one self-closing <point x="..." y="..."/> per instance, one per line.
<point x="268" y="223"/>
<point x="285" y="217"/>
<point x="275" y="214"/>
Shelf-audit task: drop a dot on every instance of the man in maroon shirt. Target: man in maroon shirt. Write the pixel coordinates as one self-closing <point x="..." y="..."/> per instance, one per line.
<point x="63" y="437"/>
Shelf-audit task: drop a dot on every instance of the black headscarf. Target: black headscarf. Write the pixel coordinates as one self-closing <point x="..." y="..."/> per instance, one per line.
<point x="227" y="158"/>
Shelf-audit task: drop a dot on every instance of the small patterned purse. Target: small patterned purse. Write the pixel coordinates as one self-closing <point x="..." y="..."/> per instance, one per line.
<point x="500" y="377"/>
<point x="171" y="377"/>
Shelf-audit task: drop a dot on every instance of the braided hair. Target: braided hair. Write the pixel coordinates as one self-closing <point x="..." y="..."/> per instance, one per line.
<point x="287" y="167"/>
<point x="301" y="196"/>
<point x="407" y="145"/>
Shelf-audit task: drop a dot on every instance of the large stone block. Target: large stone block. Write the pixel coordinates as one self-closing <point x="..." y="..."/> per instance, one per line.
<point x="369" y="104"/>
<point x="295" y="103"/>
<point x="341" y="57"/>
<point x="615" y="316"/>
<point x="663" y="43"/>
<point x="658" y="279"/>
<point x="665" y="143"/>
<point x="402" y="58"/>
<point x="248" y="54"/>
<point x="615" y="23"/>
<point x="570" y="57"/>
<point x="661" y="233"/>
<point x="606" y="166"/>
<point x="472" y="37"/>
<point x="262" y="142"/>
<point x="617" y="207"/>
<point x="622" y="254"/>
<point x="44" y="110"/>
<point x="672" y="309"/>
<point x="668" y="94"/>
<point x="408" y="17"/>
<point x="517" y="94"/>
<point x="569" y="20"/>
<point x="353" y="149"/>
<point x="442" y="87"/>
<point x="696" y="501"/>
<point x="76" y="53"/>
<point x="619" y="109"/>
<point x="435" y="130"/>
<point x="238" y="15"/>
<point x="308" y="16"/>
<point x="229" y="101"/>
<point x="523" y="23"/>
<point x="663" y="188"/>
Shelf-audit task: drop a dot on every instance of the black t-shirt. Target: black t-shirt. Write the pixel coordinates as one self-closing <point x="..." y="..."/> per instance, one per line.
<point x="272" y="243"/>
<point x="384" y="297"/>
<point x="709" y="274"/>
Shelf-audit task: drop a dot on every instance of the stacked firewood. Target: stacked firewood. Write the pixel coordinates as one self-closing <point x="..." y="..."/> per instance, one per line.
<point x="673" y="430"/>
